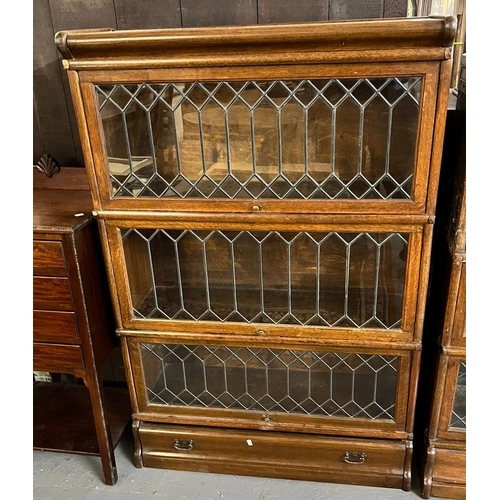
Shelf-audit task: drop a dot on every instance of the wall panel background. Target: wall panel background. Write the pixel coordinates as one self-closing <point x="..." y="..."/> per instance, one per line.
<point x="54" y="125"/>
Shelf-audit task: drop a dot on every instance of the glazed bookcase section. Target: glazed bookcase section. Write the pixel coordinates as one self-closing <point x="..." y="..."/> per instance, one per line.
<point x="301" y="139"/>
<point x="452" y="417"/>
<point x="284" y="380"/>
<point x="349" y="144"/>
<point x="266" y="198"/>
<point x="458" y="412"/>
<point x="284" y="386"/>
<point x="318" y="281"/>
<point x="319" y="119"/>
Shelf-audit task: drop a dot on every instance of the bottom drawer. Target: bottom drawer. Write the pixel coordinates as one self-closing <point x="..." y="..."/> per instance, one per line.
<point x="445" y="471"/>
<point x="449" y="466"/>
<point x="449" y="474"/>
<point x="59" y="358"/>
<point x="273" y="454"/>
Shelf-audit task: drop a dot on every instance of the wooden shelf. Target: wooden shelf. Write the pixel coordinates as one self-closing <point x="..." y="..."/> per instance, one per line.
<point x="63" y="419"/>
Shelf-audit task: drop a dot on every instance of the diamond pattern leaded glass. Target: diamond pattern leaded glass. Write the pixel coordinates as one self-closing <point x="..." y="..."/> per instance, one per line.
<point x="301" y="139"/>
<point x="458" y="412"/>
<point x="331" y="279"/>
<point x="288" y="381"/>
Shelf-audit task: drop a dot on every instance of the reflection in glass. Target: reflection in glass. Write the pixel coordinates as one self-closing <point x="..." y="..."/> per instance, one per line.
<point x="307" y="139"/>
<point x="304" y="382"/>
<point x="458" y="413"/>
<point x="351" y="280"/>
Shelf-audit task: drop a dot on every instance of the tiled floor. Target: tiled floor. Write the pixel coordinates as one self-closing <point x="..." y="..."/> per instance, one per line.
<point x="77" y="477"/>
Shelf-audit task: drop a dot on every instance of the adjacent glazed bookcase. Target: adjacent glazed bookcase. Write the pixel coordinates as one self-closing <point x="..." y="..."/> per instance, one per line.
<point x="444" y="458"/>
<point x="265" y="196"/>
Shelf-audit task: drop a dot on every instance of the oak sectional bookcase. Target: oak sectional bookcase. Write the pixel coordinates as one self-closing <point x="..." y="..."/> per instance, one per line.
<point x="443" y="457"/>
<point x="265" y="197"/>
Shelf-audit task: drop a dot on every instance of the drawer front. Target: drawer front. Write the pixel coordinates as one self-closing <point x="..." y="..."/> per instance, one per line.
<point x="48" y="258"/>
<point x="57" y="357"/>
<point x="55" y="326"/>
<point x="270" y="454"/>
<point x="449" y="466"/>
<point x="52" y="293"/>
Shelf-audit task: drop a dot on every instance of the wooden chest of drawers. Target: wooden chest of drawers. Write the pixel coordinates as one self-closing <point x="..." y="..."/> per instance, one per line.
<point x="73" y="327"/>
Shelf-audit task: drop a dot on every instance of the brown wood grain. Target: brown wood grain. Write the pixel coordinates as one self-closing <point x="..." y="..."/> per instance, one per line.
<point x="61" y="237"/>
<point x="58" y="358"/>
<point x="68" y="178"/>
<point x="458" y="334"/>
<point x="278" y="455"/>
<point x="59" y="406"/>
<point x="355" y="41"/>
<point x="273" y="342"/>
<point x="412" y="390"/>
<point x="76" y="94"/>
<point x="437" y="397"/>
<point x="361" y="49"/>
<point x="59" y="210"/>
<point x="449" y="467"/>
<point x="147" y="14"/>
<point x="445" y="431"/>
<point x="99" y="320"/>
<point x="52" y="293"/>
<point x="48" y="258"/>
<point x="55" y="326"/>
<point x="451" y="301"/>
<point x="437" y="142"/>
<point x="446" y="490"/>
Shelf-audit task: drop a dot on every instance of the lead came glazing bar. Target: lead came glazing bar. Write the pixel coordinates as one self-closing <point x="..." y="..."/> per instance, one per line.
<point x="458" y="414"/>
<point x="207" y="119"/>
<point x="342" y="383"/>
<point x="296" y="278"/>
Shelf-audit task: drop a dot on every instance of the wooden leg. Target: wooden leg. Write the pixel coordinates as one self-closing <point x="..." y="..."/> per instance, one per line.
<point x="407" y="466"/>
<point x="429" y="466"/>
<point x="137" y="443"/>
<point x="94" y="384"/>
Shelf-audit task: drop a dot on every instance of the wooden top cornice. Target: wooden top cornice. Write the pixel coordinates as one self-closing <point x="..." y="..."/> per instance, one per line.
<point x="400" y="39"/>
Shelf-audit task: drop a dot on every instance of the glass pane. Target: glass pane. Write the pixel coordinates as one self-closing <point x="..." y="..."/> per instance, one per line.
<point x="351" y="280"/>
<point x="306" y="382"/>
<point x="458" y="412"/>
<point x="298" y="139"/>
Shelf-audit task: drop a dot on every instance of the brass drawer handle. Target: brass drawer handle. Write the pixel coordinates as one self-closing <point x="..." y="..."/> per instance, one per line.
<point x="183" y="445"/>
<point x="353" y="457"/>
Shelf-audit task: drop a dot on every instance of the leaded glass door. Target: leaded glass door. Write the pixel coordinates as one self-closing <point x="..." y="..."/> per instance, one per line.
<point x="334" y="142"/>
<point x="295" y="280"/>
<point x="291" y="387"/>
<point x="452" y="422"/>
